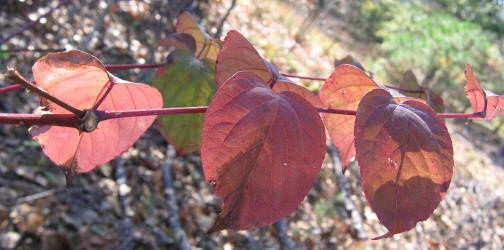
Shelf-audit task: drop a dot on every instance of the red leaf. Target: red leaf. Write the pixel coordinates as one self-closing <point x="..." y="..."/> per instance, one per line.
<point x="300" y="90"/>
<point x="343" y="90"/>
<point x="80" y="80"/>
<point x="495" y="105"/>
<point x="473" y="91"/>
<point x="405" y="156"/>
<point x="237" y="54"/>
<point x="263" y="150"/>
<point x="482" y="100"/>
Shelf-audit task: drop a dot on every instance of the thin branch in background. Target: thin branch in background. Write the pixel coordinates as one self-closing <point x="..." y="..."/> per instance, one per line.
<point x="221" y="24"/>
<point x="121" y="180"/>
<point x="30" y="24"/>
<point x="283" y="238"/>
<point x="348" y="208"/>
<point x="10" y="88"/>
<point x="97" y="25"/>
<point x="171" y="201"/>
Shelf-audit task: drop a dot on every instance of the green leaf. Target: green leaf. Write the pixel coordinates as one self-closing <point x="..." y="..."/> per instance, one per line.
<point x="184" y="81"/>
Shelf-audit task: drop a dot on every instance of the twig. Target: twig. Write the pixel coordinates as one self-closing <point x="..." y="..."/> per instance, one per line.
<point x="9" y="88"/>
<point x="97" y="25"/>
<point x="37" y="196"/>
<point x="14" y="76"/>
<point x="121" y="180"/>
<point x="30" y="24"/>
<point x="221" y="24"/>
<point x="171" y="201"/>
<point x="283" y="238"/>
<point x="356" y="229"/>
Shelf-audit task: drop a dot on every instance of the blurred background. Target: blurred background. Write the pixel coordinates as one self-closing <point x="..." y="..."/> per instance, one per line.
<point x="150" y="198"/>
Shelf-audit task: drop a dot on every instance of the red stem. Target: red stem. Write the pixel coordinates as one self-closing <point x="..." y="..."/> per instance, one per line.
<point x="9" y="88"/>
<point x="30" y="24"/>
<point x="106" y="115"/>
<point x="461" y="115"/>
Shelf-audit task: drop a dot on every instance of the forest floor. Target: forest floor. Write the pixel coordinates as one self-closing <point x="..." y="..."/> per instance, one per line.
<point x="132" y="202"/>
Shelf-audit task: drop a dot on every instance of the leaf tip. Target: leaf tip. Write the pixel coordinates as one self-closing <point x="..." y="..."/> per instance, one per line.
<point x="387" y="235"/>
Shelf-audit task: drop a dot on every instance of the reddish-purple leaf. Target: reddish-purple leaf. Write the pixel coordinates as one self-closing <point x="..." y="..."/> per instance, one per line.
<point x="237" y="54"/>
<point x="80" y="80"/>
<point x="482" y="100"/>
<point x="298" y="89"/>
<point x="262" y="150"/>
<point x="405" y="156"/>
<point x="343" y="90"/>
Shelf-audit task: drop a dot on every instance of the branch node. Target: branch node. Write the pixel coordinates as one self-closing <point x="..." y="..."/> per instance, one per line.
<point x="89" y="121"/>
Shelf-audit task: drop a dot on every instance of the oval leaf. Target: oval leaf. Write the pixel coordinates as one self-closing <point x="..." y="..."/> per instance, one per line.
<point x="262" y="150"/>
<point x="237" y="54"/>
<point x="343" y="90"/>
<point x="184" y="81"/>
<point x="186" y="24"/>
<point x="80" y="80"/>
<point x="405" y="156"/>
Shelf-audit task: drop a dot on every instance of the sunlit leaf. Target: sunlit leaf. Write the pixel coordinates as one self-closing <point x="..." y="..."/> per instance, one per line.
<point x="187" y="24"/>
<point x="184" y="81"/>
<point x="343" y="90"/>
<point x="482" y="100"/>
<point x="237" y="54"/>
<point x="405" y="156"/>
<point x="80" y="80"/>
<point x="261" y="150"/>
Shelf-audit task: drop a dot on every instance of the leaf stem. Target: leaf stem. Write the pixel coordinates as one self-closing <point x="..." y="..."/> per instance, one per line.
<point x="461" y="115"/>
<point x="9" y="88"/>
<point x="106" y="115"/>
<point x="30" y="24"/>
<point x="14" y="76"/>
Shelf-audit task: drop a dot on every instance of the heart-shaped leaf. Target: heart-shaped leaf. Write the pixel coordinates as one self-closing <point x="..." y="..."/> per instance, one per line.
<point x="261" y="150"/>
<point x="482" y="100"/>
<point x="343" y="90"/>
<point x="184" y="81"/>
<point x="405" y="156"/>
<point x="80" y="80"/>
<point x="237" y="54"/>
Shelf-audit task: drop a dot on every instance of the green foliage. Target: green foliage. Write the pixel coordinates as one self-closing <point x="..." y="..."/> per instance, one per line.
<point x="437" y="45"/>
